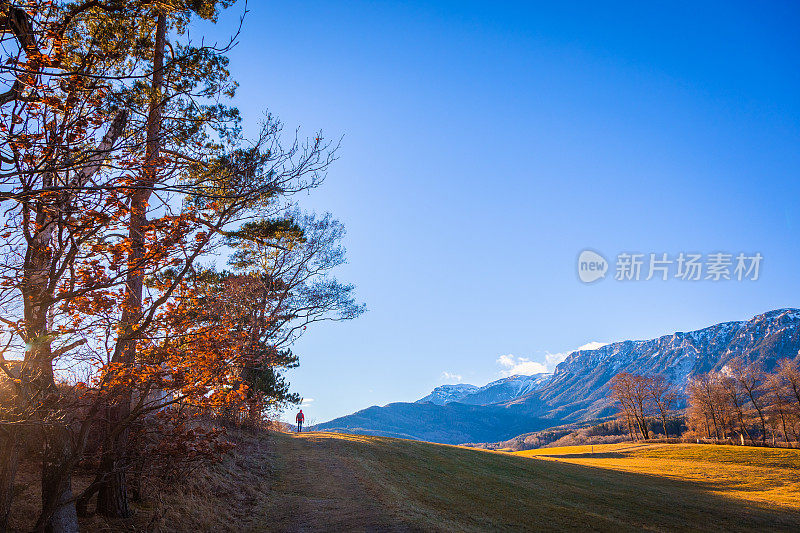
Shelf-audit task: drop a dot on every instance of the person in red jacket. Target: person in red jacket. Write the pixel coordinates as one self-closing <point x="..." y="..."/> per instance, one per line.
<point x="300" y="418"/>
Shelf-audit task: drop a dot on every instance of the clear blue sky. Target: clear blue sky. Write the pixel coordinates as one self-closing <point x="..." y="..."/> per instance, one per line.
<point x="486" y="145"/>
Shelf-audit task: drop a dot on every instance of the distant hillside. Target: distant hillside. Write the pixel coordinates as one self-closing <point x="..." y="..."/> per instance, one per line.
<point x="578" y="390"/>
<point x="452" y="423"/>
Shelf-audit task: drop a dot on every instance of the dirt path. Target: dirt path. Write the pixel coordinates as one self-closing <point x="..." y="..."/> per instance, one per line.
<point x="317" y="488"/>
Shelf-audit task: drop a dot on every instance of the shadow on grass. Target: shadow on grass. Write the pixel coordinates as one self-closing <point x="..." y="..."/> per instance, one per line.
<point x="588" y="455"/>
<point x="439" y="487"/>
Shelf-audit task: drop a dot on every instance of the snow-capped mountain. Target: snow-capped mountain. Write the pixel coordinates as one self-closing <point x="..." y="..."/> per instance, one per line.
<point x="448" y="393"/>
<point x="579" y="388"/>
<point x="502" y="390"/>
<point x="580" y="384"/>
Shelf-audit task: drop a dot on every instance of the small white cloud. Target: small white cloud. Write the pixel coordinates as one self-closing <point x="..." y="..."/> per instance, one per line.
<point x="506" y="360"/>
<point x="307" y="401"/>
<point x="522" y="365"/>
<point x="519" y="365"/>
<point x="553" y="359"/>
<point x="450" y="377"/>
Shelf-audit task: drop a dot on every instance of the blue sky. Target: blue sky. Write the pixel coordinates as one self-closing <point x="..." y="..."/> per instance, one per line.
<point x="485" y="146"/>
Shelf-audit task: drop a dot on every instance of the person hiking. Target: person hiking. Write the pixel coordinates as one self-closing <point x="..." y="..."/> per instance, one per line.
<point x="300" y="418"/>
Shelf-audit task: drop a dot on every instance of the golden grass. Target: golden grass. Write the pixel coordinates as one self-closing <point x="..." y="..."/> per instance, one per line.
<point x="571" y="450"/>
<point x="765" y="475"/>
<point x="334" y="482"/>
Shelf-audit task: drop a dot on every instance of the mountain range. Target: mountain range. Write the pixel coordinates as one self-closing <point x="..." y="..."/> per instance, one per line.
<point x="499" y="391"/>
<point x="578" y="390"/>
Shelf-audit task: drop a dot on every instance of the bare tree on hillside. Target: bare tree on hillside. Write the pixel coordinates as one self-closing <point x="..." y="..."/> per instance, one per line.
<point x="751" y="378"/>
<point x="789" y="370"/>
<point x="632" y="393"/>
<point x="735" y="401"/>
<point x="705" y="398"/>
<point x="783" y="387"/>
<point x="662" y="397"/>
<point x="779" y="407"/>
<point x="743" y="399"/>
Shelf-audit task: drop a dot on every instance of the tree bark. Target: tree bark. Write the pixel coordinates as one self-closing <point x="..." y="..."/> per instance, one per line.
<point x="641" y="418"/>
<point x="112" y="495"/>
<point x="783" y="421"/>
<point x="9" y="459"/>
<point x="112" y="498"/>
<point x="58" y="504"/>
<point x="644" y="429"/>
<point x="760" y="414"/>
<point x="714" y="420"/>
<point x="740" y="414"/>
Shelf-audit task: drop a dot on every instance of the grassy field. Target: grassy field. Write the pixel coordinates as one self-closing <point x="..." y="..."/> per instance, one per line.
<point x="334" y="482"/>
<point x="767" y="476"/>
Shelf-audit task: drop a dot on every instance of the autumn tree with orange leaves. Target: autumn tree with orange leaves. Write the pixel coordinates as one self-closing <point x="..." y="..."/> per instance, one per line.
<point x="58" y="129"/>
<point x="121" y="168"/>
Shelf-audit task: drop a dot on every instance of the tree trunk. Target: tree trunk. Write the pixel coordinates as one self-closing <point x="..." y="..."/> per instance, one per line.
<point x="630" y="426"/>
<point x="58" y="506"/>
<point x="763" y="427"/>
<point x="783" y="423"/>
<point x="112" y="497"/>
<point x="9" y="459"/>
<point x="641" y="421"/>
<point x="761" y="417"/>
<point x="714" y="420"/>
<point x="743" y="424"/>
